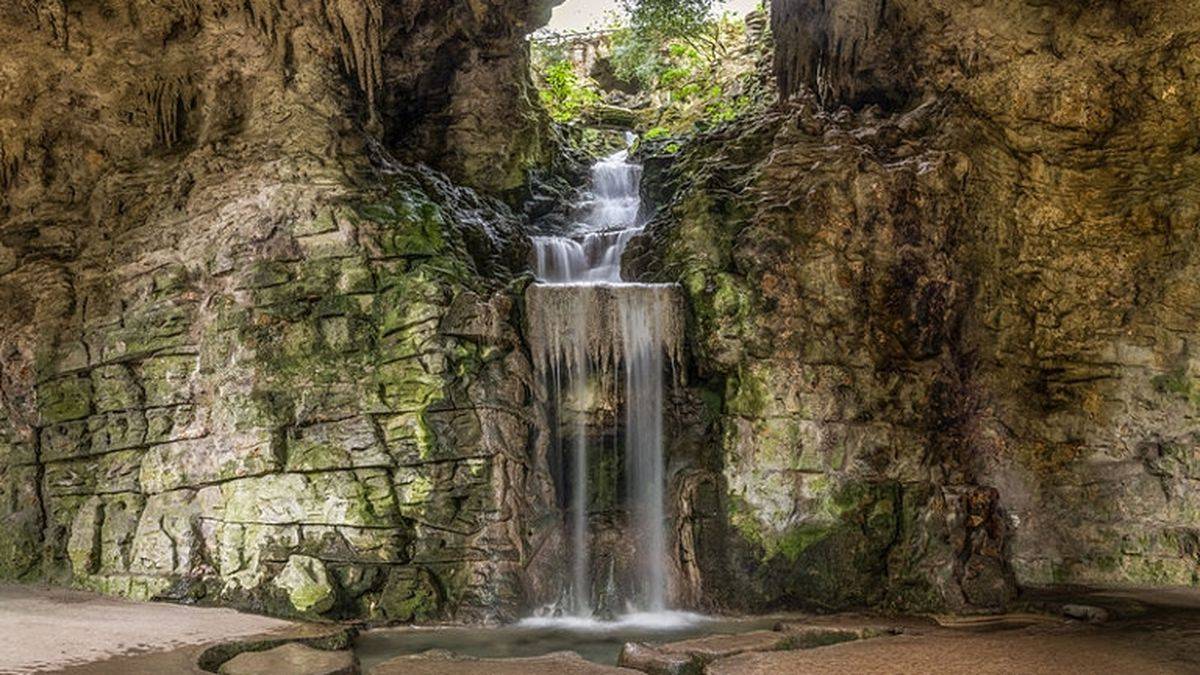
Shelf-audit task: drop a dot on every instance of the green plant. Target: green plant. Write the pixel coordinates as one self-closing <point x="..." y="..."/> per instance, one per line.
<point x="664" y="21"/>
<point x="656" y="132"/>
<point x="564" y="94"/>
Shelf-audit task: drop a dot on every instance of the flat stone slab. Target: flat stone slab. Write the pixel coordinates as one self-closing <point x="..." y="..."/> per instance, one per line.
<point x="650" y="659"/>
<point x="440" y="662"/>
<point x="46" y="628"/>
<point x="294" y="659"/>
<point x="690" y="657"/>
<point x="1001" y="653"/>
<point x="717" y="646"/>
<point x="810" y="636"/>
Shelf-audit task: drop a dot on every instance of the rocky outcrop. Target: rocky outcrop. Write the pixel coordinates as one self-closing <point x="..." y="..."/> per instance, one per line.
<point x="456" y="88"/>
<point x="949" y="324"/>
<point x="826" y="311"/>
<point x="248" y="357"/>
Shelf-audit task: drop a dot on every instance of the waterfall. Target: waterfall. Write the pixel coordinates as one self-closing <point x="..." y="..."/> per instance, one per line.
<point x="589" y="327"/>
<point x="640" y="333"/>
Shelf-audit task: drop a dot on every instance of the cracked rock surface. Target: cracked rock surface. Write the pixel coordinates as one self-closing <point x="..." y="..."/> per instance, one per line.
<point x="945" y="297"/>
<point x="249" y="358"/>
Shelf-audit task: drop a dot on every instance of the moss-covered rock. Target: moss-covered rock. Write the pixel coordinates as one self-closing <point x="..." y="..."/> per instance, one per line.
<point x="307" y="585"/>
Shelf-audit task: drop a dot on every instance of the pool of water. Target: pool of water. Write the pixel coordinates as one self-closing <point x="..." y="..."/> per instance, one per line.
<point x="594" y="640"/>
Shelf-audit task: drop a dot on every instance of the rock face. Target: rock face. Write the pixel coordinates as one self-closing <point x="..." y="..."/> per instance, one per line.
<point x="456" y="88"/>
<point x="248" y="358"/>
<point x="950" y="324"/>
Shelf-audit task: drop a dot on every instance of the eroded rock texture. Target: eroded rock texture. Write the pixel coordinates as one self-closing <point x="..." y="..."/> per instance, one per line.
<point x="246" y="356"/>
<point x="456" y="88"/>
<point x="952" y="336"/>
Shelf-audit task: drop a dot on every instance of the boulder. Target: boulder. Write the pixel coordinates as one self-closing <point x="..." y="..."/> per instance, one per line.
<point x="307" y="584"/>
<point x="1089" y="613"/>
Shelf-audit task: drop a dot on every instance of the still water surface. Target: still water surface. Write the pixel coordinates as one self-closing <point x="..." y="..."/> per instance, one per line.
<point x="597" y="641"/>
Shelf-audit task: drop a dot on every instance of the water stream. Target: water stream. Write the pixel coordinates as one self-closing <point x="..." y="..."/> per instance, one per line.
<point x="589" y="327"/>
<point x="599" y="642"/>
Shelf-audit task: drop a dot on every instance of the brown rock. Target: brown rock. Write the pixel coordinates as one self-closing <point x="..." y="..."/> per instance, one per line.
<point x="293" y="659"/>
<point x="656" y="661"/>
<point x="439" y="662"/>
<point x="688" y="657"/>
<point x="713" y="647"/>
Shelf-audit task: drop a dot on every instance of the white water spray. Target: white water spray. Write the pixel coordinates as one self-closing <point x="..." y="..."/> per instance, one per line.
<point x="586" y="321"/>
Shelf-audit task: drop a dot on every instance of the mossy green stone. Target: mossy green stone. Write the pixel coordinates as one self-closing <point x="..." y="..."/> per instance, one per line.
<point x="307" y="585"/>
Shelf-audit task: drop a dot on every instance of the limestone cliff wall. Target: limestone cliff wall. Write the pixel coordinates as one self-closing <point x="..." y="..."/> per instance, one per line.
<point x="247" y="357"/>
<point x="947" y="294"/>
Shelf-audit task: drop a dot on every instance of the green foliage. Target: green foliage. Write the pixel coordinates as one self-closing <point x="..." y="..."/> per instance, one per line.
<point x="564" y="93"/>
<point x="635" y="57"/>
<point x="670" y="19"/>
<point x="692" y="70"/>
<point x="696" y="66"/>
<point x="656" y="133"/>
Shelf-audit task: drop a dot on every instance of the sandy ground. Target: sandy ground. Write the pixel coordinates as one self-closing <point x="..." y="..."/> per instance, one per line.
<point x="1031" y="652"/>
<point x="45" y="629"/>
<point x="1151" y="632"/>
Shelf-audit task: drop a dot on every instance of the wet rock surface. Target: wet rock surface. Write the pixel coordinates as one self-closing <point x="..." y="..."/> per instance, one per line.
<point x="943" y="296"/>
<point x="558" y="663"/>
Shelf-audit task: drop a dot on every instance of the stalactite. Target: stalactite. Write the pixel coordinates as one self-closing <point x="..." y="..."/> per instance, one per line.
<point x="169" y="101"/>
<point x="559" y="313"/>
<point x="264" y="16"/>
<point x="10" y="163"/>
<point x="825" y="47"/>
<point x="358" y="27"/>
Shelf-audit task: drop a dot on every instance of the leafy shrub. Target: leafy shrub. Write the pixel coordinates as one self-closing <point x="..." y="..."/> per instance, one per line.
<point x="564" y="93"/>
<point x="693" y="70"/>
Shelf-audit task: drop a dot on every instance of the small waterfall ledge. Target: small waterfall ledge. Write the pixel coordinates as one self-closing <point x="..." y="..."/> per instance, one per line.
<point x="585" y="326"/>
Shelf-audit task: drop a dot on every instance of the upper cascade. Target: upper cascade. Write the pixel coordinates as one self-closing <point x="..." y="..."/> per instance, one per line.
<point x="592" y="251"/>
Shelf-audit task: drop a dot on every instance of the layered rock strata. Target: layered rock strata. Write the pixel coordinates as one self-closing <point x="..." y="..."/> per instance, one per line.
<point x="248" y="358"/>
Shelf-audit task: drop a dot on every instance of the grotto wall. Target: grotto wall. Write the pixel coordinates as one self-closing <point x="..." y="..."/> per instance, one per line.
<point x="456" y="89"/>
<point x="248" y="357"/>
<point x="944" y="295"/>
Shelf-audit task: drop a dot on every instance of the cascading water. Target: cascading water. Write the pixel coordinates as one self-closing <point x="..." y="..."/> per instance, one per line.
<point x="587" y="324"/>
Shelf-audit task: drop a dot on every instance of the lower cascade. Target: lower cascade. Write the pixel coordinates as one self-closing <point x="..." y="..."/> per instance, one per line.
<point x="597" y="340"/>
